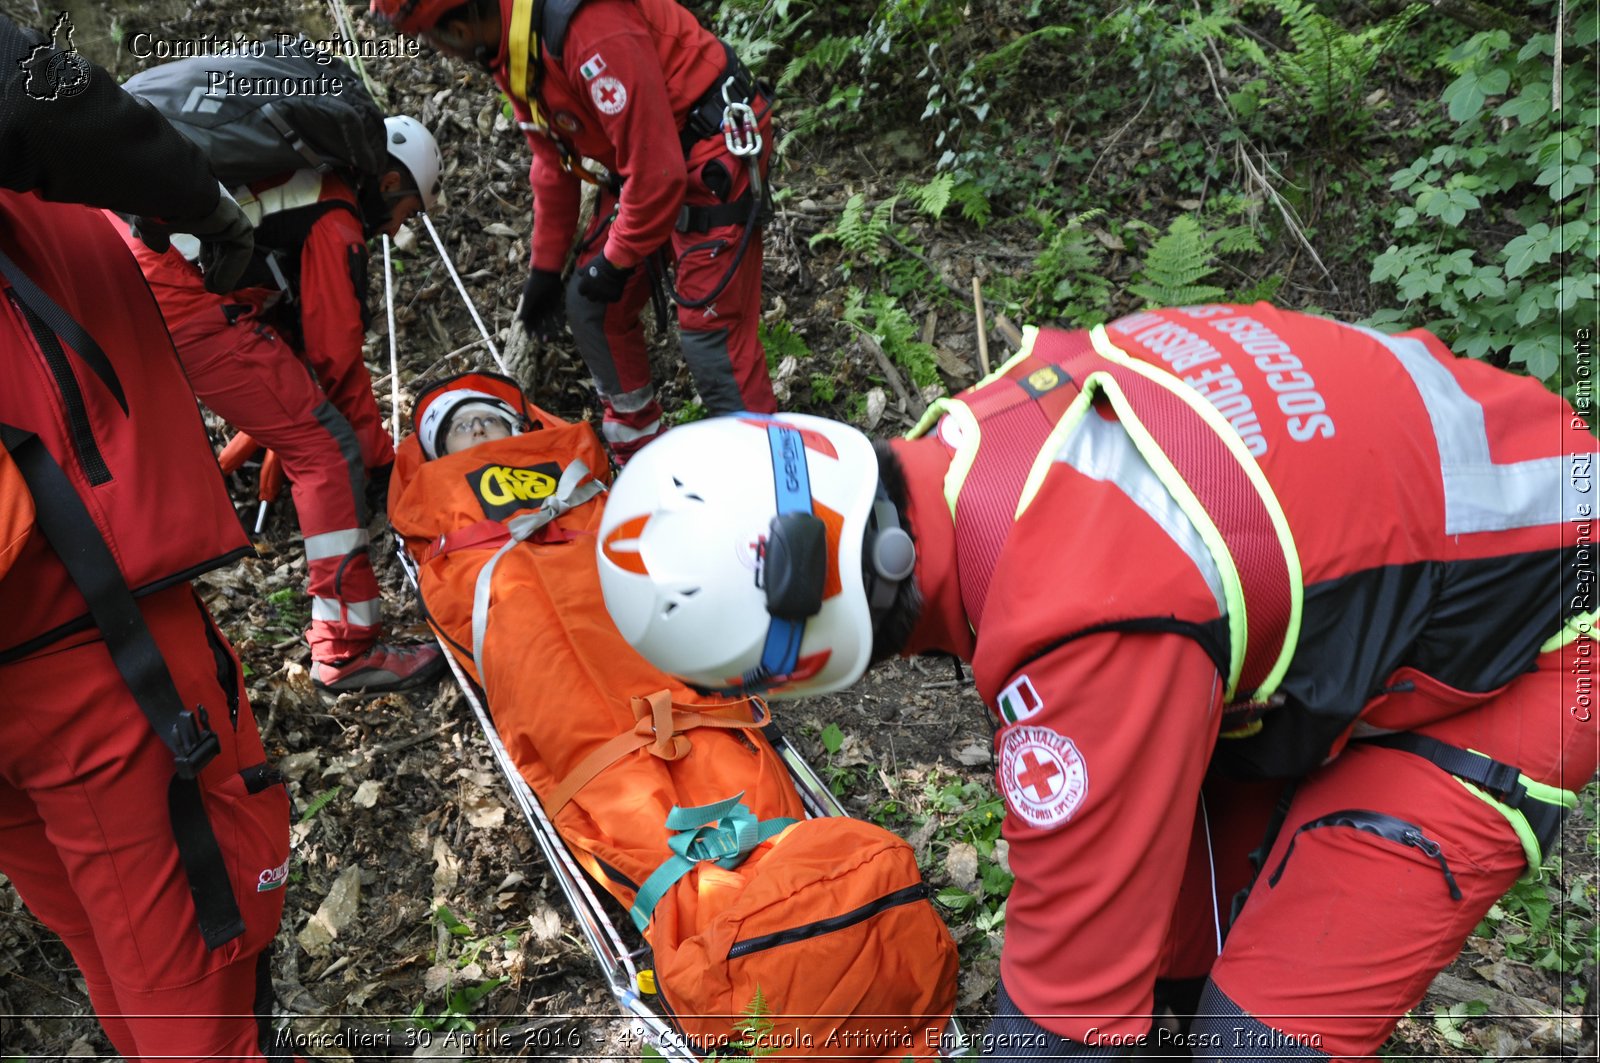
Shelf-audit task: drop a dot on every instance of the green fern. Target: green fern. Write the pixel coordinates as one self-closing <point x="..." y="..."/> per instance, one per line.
<point x="1329" y="65"/>
<point x="862" y="234"/>
<point x="821" y="60"/>
<point x="933" y="197"/>
<point x="886" y="321"/>
<point x="752" y="1031"/>
<point x="1176" y="268"/>
<point x="975" y="206"/>
<point x="318" y="803"/>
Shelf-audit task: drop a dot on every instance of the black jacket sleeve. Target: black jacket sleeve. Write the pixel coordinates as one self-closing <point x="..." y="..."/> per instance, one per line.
<point x="98" y="146"/>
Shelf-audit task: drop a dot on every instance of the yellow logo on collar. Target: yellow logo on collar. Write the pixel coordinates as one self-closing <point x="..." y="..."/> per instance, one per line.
<point x="504" y="489"/>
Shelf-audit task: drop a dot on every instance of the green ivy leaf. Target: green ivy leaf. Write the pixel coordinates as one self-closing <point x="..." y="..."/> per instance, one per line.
<point x="1532" y="104"/>
<point x="832" y="738"/>
<point x="1572" y="179"/>
<point x="1464" y="97"/>
<point x="1527" y="310"/>
<point x="1586" y="28"/>
<point x="1387" y="265"/>
<point x="1541" y="354"/>
<point x="1528" y="250"/>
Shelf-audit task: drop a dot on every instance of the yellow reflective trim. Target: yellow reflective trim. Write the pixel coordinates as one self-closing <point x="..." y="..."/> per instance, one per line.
<point x="1580" y="625"/>
<point x="1519" y="823"/>
<point x="968" y="430"/>
<point x="520" y="48"/>
<point x="1248" y="730"/>
<point x="930" y="417"/>
<point x="1208" y="532"/>
<point x="1538" y="791"/>
<point x="1053" y="444"/>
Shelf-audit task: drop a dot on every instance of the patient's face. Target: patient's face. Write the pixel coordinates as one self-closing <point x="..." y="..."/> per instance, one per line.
<point x="468" y="429"/>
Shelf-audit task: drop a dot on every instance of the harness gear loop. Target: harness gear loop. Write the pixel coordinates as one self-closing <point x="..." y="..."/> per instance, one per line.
<point x="723" y="833"/>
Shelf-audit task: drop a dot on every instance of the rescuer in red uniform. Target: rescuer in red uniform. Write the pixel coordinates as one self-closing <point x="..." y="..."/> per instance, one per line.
<point x="640" y="88"/>
<point x="1231" y="539"/>
<point x="286" y="368"/>
<point x="139" y="819"/>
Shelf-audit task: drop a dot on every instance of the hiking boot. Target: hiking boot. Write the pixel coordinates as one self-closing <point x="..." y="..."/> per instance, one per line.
<point x="381" y="668"/>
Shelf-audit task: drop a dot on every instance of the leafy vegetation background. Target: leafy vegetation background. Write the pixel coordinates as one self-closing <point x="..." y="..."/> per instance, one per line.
<point x="1425" y="164"/>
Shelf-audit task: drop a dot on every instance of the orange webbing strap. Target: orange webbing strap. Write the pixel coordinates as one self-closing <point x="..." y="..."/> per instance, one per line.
<point x="656" y="726"/>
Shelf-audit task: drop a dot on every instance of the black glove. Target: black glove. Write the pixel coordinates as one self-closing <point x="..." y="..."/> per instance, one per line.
<point x="601" y="282"/>
<point x="227" y="240"/>
<point x="541" y="309"/>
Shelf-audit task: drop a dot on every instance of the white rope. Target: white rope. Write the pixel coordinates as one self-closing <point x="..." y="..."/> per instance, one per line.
<point x="1211" y="859"/>
<point x="444" y="256"/>
<point x="347" y="29"/>
<point x="394" y="351"/>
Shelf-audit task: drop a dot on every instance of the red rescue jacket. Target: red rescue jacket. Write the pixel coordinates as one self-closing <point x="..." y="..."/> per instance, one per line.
<point x="123" y="459"/>
<point x="629" y="72"/>
<point x="1434" y="530"/>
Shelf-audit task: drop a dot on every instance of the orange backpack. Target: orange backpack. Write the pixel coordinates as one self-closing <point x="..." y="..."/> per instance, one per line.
<point x="674" y="802"/>
<point x="16" y="511"/>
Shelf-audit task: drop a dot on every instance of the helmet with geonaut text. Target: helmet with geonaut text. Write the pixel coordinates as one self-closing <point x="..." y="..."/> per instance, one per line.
<point x="753" y="553"/>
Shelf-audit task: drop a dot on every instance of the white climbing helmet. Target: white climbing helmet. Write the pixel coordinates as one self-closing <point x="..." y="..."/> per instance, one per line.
<point x="410" y="143"/>
<point x="731" y="553"/>
<point x="437" y="410"/>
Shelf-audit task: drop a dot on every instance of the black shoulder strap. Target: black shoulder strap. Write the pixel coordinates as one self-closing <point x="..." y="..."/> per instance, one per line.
<point x="554" y="18"/>
<point x="64" y="325"/>
<point x="72" y="534"/>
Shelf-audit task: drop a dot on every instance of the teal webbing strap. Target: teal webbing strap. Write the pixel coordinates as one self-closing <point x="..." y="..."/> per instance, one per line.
<point x="723" y="832"/>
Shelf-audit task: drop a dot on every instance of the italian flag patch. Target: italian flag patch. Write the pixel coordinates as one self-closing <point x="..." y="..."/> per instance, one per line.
<point x="593" y="68"/>
<point x="1019" y="701"/>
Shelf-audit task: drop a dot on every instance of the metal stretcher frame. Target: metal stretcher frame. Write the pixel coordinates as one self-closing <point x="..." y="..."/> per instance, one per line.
<point x="616" y="960"/>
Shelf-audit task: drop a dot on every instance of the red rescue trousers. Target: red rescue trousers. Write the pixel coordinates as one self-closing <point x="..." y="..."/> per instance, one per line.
<point x="86" y="839"/>
<point x="1344" y="929"/>
<point x="255" y="381"/>
<point x="719" y="340"/>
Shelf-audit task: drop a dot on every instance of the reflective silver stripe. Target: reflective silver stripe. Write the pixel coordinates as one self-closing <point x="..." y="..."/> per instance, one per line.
<point x="350" y="449"/>
<point x="633" y="401"/>
<point x="617" y="432"/>
<point x="335" y="544"/>
<point x="1479" y="495"/>
<point x="358" y="614"/>
<point x="1102" y="450"/>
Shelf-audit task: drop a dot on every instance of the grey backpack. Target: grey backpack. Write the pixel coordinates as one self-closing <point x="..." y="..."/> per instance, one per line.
<point x="295" y="111"/>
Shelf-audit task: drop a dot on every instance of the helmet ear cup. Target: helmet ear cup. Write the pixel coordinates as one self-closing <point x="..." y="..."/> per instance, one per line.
<point x="890" y="554"/>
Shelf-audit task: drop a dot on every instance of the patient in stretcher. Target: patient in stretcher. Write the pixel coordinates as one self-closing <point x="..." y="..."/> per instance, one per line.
<point x="464" y="417"/>
<point x="499" y="503"/>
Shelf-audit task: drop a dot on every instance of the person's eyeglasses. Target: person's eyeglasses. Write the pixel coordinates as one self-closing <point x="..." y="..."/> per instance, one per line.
<point x="473" y="424"/>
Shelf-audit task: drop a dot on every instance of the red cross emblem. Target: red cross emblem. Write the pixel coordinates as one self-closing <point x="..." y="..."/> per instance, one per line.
<point x="1042" y="775"/>
<point x="1037" y="776"/>
<point x="609" y="94"/>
